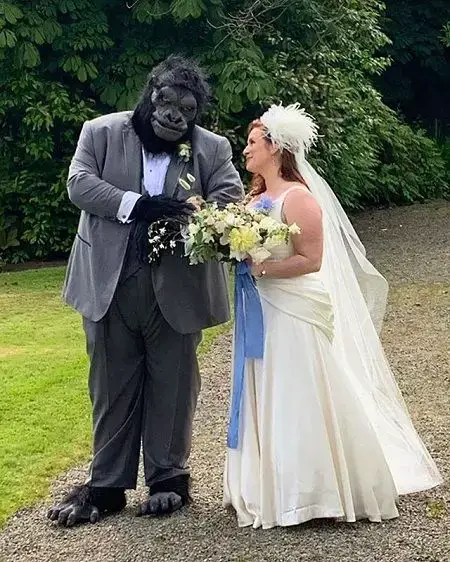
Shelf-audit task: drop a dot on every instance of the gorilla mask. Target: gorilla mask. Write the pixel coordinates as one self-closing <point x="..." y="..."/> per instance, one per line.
<point x="170" y="105"/>
<point x="175" y="110"/>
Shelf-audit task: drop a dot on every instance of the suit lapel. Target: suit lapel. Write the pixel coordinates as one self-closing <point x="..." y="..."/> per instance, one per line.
<point x="176" y="169"/>
<point x="132" y="150"/>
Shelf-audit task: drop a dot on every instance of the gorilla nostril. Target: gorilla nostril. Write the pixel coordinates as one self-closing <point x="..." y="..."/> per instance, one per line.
<point x="174" y="118"/>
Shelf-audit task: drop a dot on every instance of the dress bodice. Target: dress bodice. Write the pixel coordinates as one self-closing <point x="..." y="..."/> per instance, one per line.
<point x="303" y="296"/>
<point x="285" y="249"/>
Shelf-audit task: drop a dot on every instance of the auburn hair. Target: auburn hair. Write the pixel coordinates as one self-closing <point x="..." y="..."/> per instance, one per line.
<point x="288" y="166"/>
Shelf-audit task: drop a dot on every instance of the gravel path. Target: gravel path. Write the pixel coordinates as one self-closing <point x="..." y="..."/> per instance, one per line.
<point x="410" y="245"/>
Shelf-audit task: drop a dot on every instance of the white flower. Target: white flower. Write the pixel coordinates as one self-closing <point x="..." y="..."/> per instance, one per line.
<point x="220" y="226"/>
<point x="268" y="224"/>
<point x="230" y="219"/>
<point x="173" y="243"/>
<point x="162" y="230"/>
<point x="294" y="229"/>
<point x="239" y="256"/>
<point x="259" y="254"/>
<point x="193" y="229"/>
<point x="207" y="236"/>
<point x="271" y="243"/>
<point x="224" y="240"/>
<point x="184" y="151"/>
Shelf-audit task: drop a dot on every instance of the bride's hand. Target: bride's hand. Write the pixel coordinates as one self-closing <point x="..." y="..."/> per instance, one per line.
<point x="257" y="269"/>
<point x="197" y="201"/>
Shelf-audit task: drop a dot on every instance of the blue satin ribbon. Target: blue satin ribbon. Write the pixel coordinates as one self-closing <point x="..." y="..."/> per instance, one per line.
<point x="248" y="341"/>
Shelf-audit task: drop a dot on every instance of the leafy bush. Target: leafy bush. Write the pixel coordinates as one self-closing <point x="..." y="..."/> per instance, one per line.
<point x="65" y="61"/>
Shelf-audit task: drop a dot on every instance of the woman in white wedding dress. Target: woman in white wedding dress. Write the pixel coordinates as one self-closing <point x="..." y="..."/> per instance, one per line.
<point x="323" y="429"/>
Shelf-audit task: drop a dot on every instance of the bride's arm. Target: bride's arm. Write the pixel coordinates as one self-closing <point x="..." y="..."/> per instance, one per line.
<point x="301" y="208"/>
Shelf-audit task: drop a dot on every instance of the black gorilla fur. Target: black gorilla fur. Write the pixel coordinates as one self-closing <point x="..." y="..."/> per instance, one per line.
<point x="178" y="484"/>
<point x="184" y="79"/>
<point x="167" y="496"/>
<point x="86" y="503"/>
<point x="175" y="72"/>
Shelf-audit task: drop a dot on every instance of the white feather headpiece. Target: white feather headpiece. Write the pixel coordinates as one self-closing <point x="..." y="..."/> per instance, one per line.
<point x="290" y="128"/>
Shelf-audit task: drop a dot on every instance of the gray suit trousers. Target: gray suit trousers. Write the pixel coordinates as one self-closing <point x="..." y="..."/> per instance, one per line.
<point x="144" y="383"/>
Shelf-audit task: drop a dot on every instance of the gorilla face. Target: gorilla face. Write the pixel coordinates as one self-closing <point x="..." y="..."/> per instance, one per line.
<point x="170" y="105"/>
<point x="175" y="110"/>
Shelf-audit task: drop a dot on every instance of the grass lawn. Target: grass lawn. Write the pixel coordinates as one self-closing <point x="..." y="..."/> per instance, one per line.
<point x="45" y="422"/>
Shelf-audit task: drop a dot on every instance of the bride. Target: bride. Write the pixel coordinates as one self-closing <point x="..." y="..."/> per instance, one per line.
<point x="323" y="430"/>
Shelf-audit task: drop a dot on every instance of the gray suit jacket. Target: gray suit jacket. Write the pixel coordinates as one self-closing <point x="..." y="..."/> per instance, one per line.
<point x="107" y="162"/>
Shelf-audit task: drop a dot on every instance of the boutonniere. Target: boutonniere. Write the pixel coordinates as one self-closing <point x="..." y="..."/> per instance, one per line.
<point x="187" y="183"/>
<point x="185" y="151"/>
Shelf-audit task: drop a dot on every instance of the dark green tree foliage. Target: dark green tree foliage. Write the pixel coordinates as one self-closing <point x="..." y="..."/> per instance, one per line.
<point x="418" y="81"/>
<point x="65" y="61"/>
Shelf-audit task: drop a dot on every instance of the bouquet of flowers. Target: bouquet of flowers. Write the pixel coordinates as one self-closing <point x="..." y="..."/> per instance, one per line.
<point x="231" y="234"/>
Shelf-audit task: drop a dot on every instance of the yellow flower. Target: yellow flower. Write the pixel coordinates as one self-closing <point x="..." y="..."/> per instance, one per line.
<point x="243" y="239"/>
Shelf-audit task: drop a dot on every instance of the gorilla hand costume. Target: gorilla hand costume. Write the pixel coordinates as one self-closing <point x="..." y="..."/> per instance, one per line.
<point x="143" y="321"/>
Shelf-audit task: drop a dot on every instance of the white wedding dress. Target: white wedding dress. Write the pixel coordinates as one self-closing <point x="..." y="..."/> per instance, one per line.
<point x="308" y="446"/>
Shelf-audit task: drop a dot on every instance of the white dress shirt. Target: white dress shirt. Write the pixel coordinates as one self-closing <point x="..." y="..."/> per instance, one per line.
<point x="154" y="171"/>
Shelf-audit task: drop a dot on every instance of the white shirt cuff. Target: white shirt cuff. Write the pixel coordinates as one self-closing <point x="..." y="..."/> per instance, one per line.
<point x="127" y="204"/>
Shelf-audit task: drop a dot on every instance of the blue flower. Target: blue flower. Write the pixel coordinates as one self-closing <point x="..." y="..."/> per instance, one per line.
<point x="264" y="204"/>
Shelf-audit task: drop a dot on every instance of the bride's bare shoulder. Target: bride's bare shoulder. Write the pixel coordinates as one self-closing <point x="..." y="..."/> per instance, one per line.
<point x="300" y="201"/>
<point x="296" y="187"/>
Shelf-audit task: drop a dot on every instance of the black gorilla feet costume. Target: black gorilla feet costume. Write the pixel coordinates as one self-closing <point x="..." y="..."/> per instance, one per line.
<point x="165" y="116"/>
<point x="86" y="503"/>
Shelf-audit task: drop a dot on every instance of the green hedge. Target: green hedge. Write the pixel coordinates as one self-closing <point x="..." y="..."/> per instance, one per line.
<point x="65" y="61"/>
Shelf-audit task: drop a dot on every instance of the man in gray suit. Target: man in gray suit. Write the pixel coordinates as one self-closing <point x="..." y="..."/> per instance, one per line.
<point x="143" y="321"/>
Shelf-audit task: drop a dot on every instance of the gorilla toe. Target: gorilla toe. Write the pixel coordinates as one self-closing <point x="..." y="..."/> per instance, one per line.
<point x="84" y="504"/>
<point x="166" y="497"/>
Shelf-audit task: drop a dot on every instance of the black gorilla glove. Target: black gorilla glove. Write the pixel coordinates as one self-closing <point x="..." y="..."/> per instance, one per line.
<point x="151" y="209"/>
